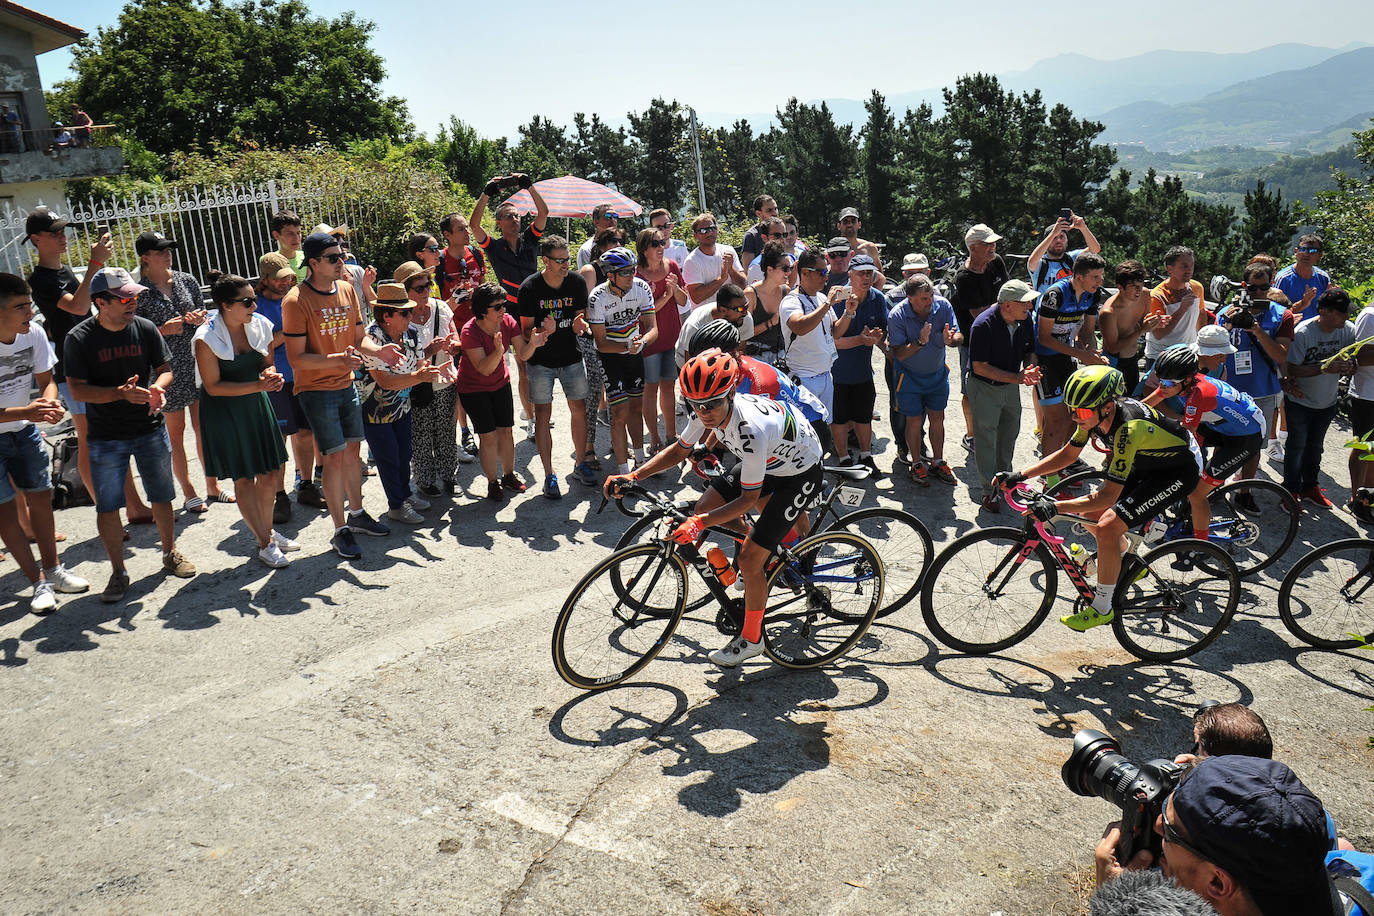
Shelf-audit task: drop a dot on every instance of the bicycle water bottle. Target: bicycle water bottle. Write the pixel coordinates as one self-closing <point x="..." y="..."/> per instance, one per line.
<point x="720" y="565"/>
<point x="1076" y="553"/>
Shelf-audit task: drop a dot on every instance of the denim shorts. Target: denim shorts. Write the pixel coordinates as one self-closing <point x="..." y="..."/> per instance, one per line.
<point x="23" y="457"/>
<point x="290" y="417"/>
<point x="74" y="407"/>
<point x="660" y="367"/>
<point x="152" y="452"/>
<point x="572" y="379"/>
<point x="335" y="417"/>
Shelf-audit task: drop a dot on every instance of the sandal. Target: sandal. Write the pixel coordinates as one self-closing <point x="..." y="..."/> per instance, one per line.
<point x="592" y="461"/>
<point x="58" y="538"/>
<point x="195" y="504"/>
<point x="223" y="497"/>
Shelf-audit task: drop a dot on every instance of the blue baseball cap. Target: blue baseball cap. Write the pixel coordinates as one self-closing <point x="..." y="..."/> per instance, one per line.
<point x="1255" y="818"/>
<point x="862" y="262"/>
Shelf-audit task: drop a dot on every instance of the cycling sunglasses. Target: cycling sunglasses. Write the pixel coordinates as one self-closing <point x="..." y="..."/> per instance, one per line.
<point x="707" y="406"/>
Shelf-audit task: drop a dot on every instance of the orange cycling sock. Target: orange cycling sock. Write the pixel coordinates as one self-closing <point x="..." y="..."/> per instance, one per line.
<point x="1200" y="533"/>
<point x="753" y="626"/>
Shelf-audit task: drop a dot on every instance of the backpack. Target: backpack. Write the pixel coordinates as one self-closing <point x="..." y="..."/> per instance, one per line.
<point x="1353" y="874"/>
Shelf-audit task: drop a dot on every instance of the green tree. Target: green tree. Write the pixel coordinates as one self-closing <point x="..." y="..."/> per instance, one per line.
<point x="542" y="151"/>
<point x="1345" y="217"/>
<point x="1066" y="165"/>
<point x="181" y="74"/>
<point x="599" y="153"/>
<point x="660" y="155"/>
<point x="817" y="165"/>
<point x="1268" y="222"/>
<point x="881" y="171"/>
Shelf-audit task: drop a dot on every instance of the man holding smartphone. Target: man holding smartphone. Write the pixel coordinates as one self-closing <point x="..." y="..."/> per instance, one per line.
<point x="1051" y="260"/>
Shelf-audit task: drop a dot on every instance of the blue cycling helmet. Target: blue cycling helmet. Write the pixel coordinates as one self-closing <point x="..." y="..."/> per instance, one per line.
<point x="618" y="258"/>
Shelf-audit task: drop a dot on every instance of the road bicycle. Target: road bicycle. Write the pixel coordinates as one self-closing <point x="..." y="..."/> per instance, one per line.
<point x="823" y="593"/>
<point x="1254" y="521"/>
<point x="1326" y="599"/>
<point x="902" y="541"/>
<point x="990" y="589"/>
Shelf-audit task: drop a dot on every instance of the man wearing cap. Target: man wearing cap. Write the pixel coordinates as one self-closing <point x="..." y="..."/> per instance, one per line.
<point x="1303" y="281"/>
<point x="64" y="303"/>
<point x="275" y="279"/>
<point x="1311" y="390"/>
<point x="837" y="255"/>
<point x="710" y="265"/>
<point x="27" y="358"/>
<point x="912" y="265"/>
<point x="1051" y="260"/>
<point x="853" y="369"/>
<point x="325" y="342"/>
<point x="921" y="327"/>
<point x="1244" y="834"/>
<point x="361" y="277"/>
<point x="1001" y="352"/>
<point x="849" y="225"/>
<point x="119" y="365"/>
<point x="976" y="286"/>
<point x="603" y="217"/>
<point x="809" y="324"/>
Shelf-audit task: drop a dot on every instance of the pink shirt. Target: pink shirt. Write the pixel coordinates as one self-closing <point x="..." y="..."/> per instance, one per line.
<point x="473" y="337"/>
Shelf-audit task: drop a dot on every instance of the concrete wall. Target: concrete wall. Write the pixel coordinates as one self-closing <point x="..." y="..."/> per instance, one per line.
<point x="19" y="73"/>
<point x="59" y="164"/>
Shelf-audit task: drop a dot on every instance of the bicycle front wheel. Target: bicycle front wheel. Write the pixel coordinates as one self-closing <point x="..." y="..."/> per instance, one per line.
<point x="1327" y="598"/>
<point x="1174" y="600"/>
<point x="1254" y="521"/>
<point x="986" y="592"/>
<point x="619" y="616"/>
<point x="652" y="528"/>
<point x="902" y="543"/>
<point x="821" y="599"/>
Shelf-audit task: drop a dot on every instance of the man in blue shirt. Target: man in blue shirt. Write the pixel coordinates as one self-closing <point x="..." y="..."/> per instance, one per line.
<point x="1303" y="282"/>
<point x="919" y="330"/>
<point x="1051" y="260"/>
<point x="1066" y="324"/>
<point x="275" y="279"/>
<point x="1001" y="347"/>
<point x="853" y="367"/>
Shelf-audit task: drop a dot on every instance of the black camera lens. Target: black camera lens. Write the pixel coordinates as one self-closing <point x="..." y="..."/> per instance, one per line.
<point x="1096" y="767"/>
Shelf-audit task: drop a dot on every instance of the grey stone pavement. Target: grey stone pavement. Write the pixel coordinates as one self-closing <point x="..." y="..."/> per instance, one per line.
<point x="389" y="735"/>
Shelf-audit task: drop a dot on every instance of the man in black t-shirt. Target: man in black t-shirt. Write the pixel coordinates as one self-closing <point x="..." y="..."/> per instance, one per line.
<point x="119" y="365"/>
<point x="65" y="302"/>
<point x="976" y="284"/>
<point x="554" y="294"/>
<point x="751" y="246"/>
<point x="512" y="256"/>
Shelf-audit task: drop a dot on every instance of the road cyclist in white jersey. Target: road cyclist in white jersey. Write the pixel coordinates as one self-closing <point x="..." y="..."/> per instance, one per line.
<point x="779" y="473"/>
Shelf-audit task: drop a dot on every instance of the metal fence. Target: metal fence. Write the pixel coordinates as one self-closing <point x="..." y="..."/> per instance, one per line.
<point x="224" y="228"/>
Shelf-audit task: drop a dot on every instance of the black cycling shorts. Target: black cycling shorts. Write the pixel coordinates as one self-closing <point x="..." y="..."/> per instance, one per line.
<point x="853" y="403"/>
<point x="624" y="376"/>
<point x="788" y="498"/>
<point x="1229" y="453"/>
<point x="1055" y="369"/>
<point x="1147" y="496"/>
<point x="1361" y="417"/>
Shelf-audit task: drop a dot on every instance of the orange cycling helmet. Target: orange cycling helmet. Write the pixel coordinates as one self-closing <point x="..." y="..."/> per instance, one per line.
<point x="707" y="375"/>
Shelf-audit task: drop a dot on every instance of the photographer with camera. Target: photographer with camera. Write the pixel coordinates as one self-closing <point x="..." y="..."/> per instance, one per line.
<point x="1242" y="832"/>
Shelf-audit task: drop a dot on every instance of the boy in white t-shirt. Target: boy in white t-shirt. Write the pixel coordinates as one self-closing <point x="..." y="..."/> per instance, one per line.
<point x="25" y="355"/>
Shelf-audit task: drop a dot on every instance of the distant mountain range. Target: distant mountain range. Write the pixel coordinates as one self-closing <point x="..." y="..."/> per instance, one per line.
<point x="1281" y="97"/>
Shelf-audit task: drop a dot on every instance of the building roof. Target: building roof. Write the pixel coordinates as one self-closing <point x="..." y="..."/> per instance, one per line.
<point x="48" y="33"/>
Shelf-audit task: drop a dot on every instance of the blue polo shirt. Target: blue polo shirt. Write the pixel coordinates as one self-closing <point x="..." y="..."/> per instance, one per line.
<point x="854" y="366"/>
<point x="904" y="327"/>
<point x="271" y="310"/>
<point x="1002" y="346"/>
<point x="1295" y="287"/>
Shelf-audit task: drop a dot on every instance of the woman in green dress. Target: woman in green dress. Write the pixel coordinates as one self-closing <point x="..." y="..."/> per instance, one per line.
<point x="239" y="429"/>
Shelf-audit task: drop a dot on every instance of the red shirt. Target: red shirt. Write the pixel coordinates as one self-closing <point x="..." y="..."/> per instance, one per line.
<point x="473" y="337"/>
<point x="465" y="272"/>
<point x="666" y="319"/>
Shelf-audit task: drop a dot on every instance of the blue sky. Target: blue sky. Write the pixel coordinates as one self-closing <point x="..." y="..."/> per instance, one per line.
<point x="495" y="70"/>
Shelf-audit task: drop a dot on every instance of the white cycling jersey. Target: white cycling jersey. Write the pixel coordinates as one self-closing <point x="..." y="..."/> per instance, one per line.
<point x="767" y="436"/>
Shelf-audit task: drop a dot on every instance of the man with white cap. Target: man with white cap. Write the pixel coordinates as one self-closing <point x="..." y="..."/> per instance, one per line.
<point x="118" y="364"/>
<point x="976" y="284"/>
<point x="1001" y="353"/>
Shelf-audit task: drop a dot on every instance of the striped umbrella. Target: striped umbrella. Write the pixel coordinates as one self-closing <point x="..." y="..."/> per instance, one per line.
<point x="572" y="196"/>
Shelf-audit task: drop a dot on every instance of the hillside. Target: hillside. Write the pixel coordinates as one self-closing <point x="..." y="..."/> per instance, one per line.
<point x="1288" y="108"/>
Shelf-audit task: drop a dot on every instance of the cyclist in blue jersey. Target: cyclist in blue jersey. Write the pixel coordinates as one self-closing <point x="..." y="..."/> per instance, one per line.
<point x="1226" y="420"/>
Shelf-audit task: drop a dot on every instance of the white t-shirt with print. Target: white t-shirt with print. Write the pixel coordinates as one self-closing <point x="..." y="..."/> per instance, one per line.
<point x="19" y="361"/>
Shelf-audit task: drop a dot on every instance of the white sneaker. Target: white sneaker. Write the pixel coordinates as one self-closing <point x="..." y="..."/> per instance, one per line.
<point x="44" y="601"/>
<point x="272" y="556"/>
<point x="465" y="456"/>
<point x="735" y="651"/>
<point x="284" y="543"/>
<point x="66" y="581"/>
<point x="529" y="430"/>
<point x="1275" y="450"/>
<point x="405" y="514"/>
<point x="417" y="502"/>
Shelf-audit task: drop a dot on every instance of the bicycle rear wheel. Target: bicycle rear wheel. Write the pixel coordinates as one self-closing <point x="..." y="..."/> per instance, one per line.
<point x="985" y="592"/>
<point x="822" y="599"/>
<point x="1174" y="600"/>
<point x="613" y="622"/>
<point x="1327" y="598"/>
<point x="902" y="543"/>
<point x="1254" y="521"/>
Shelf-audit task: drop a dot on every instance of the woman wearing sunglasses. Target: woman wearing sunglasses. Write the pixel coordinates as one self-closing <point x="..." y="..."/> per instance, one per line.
<point x="425" y="251"/>
<point x="778" y="474"/>
<point x="660" y="364"/>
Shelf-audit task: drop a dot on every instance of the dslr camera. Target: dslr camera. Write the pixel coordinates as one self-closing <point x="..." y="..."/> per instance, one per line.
<point x="1241" y="316"/>
<point x="1097" y="767"/>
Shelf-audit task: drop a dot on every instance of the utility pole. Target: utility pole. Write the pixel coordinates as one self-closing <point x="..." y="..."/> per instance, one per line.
<point x="696" y="149"/>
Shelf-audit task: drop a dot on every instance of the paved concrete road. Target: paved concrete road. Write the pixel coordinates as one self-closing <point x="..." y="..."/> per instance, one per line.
<point x="389" y="736"/>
